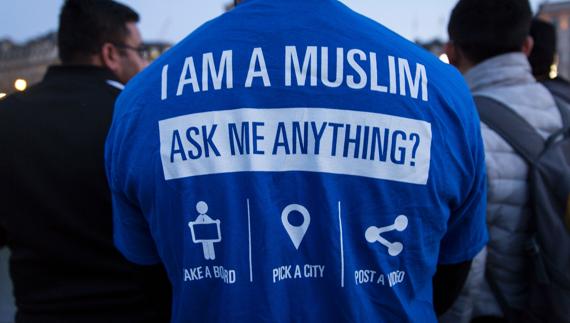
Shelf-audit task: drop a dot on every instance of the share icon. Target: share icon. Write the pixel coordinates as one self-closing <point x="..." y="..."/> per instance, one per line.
<point x="374" y="234"/>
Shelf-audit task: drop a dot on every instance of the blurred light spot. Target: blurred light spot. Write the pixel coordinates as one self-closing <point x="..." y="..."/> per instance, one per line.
<point x="2" y="95"/>
<point x="21" y="84"/>
<point x="553" y="71"/>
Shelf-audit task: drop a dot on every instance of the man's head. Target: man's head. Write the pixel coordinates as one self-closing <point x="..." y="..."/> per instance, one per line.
<point x="482" y="29"/>
<point x="101" y="33"/>
<point x="544" y="52"/>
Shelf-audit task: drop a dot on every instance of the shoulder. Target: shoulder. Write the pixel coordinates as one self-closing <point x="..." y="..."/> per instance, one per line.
<point x="14" y="106"/>
<point x="533" y="102"/>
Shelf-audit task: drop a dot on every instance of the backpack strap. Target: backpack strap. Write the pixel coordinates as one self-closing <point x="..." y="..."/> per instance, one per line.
<point x="560" y="89"/>
<point x="523" y="137"/>
<point x="561" y="93"/>
<point x="564" y="108"/>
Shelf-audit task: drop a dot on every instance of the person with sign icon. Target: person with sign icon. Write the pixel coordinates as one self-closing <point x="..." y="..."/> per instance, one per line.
<point x="207" y="239"/>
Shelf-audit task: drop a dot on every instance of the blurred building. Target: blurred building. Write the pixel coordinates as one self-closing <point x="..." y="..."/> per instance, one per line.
<point x="558" y="13"/>
<point x="22" y="65"/>
<point x="435" y="46"/>
<point x="26" y="62"/>
<point x="155" y="49"/>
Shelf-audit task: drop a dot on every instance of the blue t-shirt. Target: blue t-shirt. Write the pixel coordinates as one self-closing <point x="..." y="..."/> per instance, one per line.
<point x="294" y="161"/>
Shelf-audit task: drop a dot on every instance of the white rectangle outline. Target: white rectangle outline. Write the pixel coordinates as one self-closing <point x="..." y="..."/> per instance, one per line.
<point x="333" y="168"/>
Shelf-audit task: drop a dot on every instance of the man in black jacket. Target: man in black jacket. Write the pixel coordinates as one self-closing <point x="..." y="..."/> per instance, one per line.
<point x="543" y="56"/>
<point x="55" y="205"/>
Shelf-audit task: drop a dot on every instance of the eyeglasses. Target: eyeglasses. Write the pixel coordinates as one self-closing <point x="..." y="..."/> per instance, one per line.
<point x="141" y="51"/>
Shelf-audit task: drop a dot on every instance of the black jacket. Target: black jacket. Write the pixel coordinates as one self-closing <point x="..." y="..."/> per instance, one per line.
<point x="55" y="206"/>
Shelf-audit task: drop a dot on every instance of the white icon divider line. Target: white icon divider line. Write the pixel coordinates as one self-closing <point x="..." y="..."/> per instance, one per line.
<point x="341" y="247"/>
<point x="249" y="242"/>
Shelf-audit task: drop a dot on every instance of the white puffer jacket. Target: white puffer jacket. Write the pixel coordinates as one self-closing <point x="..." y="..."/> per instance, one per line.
<point x="508" y="79"/>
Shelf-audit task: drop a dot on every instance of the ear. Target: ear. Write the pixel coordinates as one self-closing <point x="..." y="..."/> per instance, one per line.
<point x="457" y="58"/>
<point x="110" y="57"/>
<point x="452" y="53"/>
<point x="528" y="45"/>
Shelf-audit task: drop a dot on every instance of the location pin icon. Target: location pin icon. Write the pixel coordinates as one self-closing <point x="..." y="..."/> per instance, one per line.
<point x="296" y="233"/>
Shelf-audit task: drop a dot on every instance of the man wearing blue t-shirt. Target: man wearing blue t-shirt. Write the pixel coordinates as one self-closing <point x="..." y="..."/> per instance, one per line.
<point x="293" y="161"/>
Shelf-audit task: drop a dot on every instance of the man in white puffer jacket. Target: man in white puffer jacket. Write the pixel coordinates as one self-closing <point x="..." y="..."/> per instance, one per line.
<point x="489" y="44"/>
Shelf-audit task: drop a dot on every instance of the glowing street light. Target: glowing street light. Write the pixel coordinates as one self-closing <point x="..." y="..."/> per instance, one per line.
<point x="21" y="84"/>
<point x="2" y="95"/>
<point x="553" y="71"/>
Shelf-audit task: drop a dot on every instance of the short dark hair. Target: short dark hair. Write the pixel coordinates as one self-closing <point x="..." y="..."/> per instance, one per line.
<point x="542" y="56"/>
<point x="482" y="29"/>
<point x="85" y="25"/>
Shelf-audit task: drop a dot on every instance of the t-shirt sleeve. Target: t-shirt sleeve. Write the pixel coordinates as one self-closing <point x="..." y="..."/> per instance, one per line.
<point x="467" y="228"/>
<point x="131" y="232"/>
